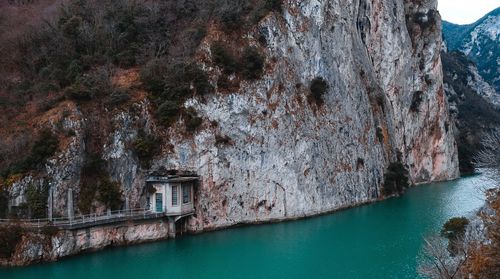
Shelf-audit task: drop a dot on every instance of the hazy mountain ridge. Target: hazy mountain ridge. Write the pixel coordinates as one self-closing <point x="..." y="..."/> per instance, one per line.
<point x="480" y="41"/>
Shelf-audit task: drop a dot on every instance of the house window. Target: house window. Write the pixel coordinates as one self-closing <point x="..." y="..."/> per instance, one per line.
<point x="186" y="193"/>
<point x="175" y="195"/>
<point x="148" y="203"/>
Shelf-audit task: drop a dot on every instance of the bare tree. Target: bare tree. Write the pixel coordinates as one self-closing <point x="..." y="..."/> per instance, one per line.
<point x="489" y="156"/>
<point x="438" y="263"/>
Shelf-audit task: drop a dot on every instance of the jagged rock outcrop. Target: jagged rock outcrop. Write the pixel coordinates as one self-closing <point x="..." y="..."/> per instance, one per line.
<point x="286" y="157"/>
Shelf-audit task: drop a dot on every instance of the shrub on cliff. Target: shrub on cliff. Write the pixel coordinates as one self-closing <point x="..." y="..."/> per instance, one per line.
<point x="153" y="76"/>
<point x="223" y="57"/>
<point x="167" y="112"/>
<point x="396" y="179"/>
<point x="36" y="201"/>
<point x="263" y="8"/>
<point x="78" y="92"/>
<point x="91" y="173"/>
<point x="252" y="63"/>
<point x="110" y="194"/>
<point x="232" y="20"/>
<point x="145" y="146"/>
<point x="89" y="86"/>
<point x="10" y="236"/>
<point x="318" y="88"/>
<point x="96" y="185"/>
<point x="199" y="79"/>
<point x="454" y="228"/>
<point x="44" y="146"/>
<point x="274" y="5"/>
<point x="171" y="85"/>
<point x="192" y="120"/>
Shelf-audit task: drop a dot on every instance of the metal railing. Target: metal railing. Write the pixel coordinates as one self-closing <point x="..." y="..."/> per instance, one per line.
<point x="89" y="220"/>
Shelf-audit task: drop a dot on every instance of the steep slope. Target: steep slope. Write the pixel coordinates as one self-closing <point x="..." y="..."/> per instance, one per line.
<point x="480" y="41"/>
<point x="470" y="106"/>
<point x="264" y="149"/>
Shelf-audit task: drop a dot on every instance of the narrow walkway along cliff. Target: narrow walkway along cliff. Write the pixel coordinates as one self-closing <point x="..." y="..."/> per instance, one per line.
<point x="265" y="151"/>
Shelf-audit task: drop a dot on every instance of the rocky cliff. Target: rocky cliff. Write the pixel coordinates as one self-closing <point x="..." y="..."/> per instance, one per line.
<point x="283" y="156"/>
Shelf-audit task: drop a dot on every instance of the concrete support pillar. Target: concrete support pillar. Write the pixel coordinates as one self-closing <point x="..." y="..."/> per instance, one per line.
<point x="71" y="211"/>
<point x="127" y="206"/>
<point x="171" y="227"/>
<point x="50" y="204"/>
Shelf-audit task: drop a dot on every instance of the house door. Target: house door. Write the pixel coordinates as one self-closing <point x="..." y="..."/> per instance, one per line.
<point x="159" y="202"/>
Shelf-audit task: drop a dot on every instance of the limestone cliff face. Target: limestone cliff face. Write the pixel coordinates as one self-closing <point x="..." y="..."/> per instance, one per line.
<point x="287" y="158"/>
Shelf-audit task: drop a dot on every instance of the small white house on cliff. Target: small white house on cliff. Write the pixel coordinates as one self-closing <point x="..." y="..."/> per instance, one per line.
<point x="172" y="195"/>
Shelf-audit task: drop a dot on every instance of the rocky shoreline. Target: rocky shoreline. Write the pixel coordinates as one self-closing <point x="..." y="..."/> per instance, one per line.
<point x="50" y="245"/>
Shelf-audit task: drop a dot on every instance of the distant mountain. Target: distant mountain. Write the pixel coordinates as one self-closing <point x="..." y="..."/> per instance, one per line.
<point x="471" y="103"/>
<point x="480" y="41"/>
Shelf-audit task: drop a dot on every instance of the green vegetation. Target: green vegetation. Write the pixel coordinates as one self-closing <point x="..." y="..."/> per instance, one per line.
<point x="89" y="179"/>
<point x="118" y="97"/>
<point x="263" y="8"/>
<point x="318" y="88"/>
<point x="110" y="194"/>
<point x="232" y="20"/>
<point x="167" y="112"/>
<point x="454" y="230"/>
<point x="223" y="57"/>
<point x="145" y="146"/>
<point x="10" y="236"/>
<point x="192" y="120"/>
<point x="153" y="75"/>
<point x="89" y="86"/>
<point x="77" y="51"/>
<point x="243" y="14"/>
<point x="252" y="63"/>
<point x="45" y="146"/>
<point x="95" y="185"/>
<point x="396" y="179"/>
<point x="36" y="201"/>
<point x="171" y="85"/>
<point x="83" y="38"/>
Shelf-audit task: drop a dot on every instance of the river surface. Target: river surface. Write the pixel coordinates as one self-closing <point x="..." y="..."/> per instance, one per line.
<point x="380" y="240"/>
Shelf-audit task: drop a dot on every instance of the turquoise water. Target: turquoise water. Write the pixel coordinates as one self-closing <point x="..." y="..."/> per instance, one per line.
<point x="380" y="240"/>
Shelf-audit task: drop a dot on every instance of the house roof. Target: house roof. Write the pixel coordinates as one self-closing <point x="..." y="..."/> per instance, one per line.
<point x="172" y="179"/>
